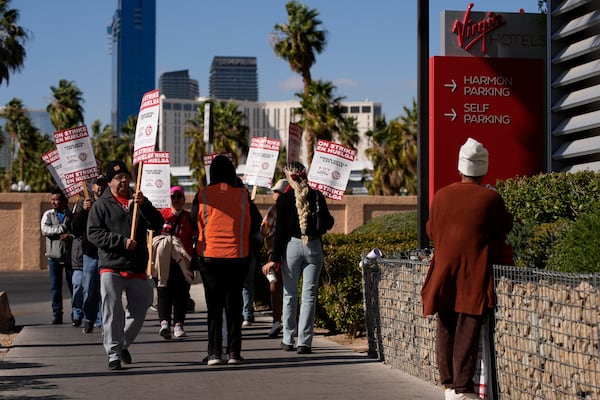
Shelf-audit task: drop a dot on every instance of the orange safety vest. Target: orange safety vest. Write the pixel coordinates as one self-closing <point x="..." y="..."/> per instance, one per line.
<point x="223" y="222"/>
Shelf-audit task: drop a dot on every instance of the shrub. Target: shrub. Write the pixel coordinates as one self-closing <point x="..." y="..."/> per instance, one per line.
<point x="577" y="250"/>
<point x="340" y="304"/>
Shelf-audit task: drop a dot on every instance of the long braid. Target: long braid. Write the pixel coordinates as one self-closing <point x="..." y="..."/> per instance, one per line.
<point x="299" y="183"/>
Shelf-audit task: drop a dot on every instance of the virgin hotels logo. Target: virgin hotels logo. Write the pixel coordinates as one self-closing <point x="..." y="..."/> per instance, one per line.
<point x="469" y="32"/>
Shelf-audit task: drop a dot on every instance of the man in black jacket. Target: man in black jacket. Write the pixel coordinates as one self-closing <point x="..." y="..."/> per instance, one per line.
<point x="122" y="260"/>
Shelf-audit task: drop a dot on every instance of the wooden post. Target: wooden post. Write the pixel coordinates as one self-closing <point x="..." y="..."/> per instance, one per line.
<point x="135" y="205"/>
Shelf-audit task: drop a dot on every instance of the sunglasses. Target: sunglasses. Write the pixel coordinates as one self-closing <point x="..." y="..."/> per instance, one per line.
<point x="298" y="176"/>
<point x="177" y="196"/>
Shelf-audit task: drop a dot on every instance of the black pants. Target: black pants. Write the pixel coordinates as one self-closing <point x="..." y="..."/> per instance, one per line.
<point x="174" y="297"/>
<point x="223" y="280"/>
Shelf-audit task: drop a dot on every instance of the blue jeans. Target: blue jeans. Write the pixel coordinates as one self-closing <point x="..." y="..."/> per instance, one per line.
<point x="248" y="292"/>
<point x="77" y="295"/>
<point x="55" y="269"/>
<point x="91" y="290"/>
<point x="305" y="260"/>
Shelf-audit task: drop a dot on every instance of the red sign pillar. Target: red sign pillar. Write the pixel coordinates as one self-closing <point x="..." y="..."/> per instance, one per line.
<point x="497" y="101"/>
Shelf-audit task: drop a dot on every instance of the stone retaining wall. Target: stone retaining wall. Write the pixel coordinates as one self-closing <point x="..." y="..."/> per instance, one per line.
<point x="546" y="336"/>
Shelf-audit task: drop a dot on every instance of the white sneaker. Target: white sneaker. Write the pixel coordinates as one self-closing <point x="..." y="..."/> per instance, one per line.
<point x="178" y="331"/>
<point x="450" y="394"/>
<point x="165" y="330"/>
<point x="247" y="323"/>
<point x="275" y="329"/>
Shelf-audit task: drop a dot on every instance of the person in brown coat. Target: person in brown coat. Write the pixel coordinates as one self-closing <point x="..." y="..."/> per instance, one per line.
<point x="465" y="220"/>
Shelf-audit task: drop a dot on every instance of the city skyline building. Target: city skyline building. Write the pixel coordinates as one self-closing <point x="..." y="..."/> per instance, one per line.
<point x="39" y="118"/>
<point x="233" y="78"/>
<point x="264" y="119"/>
<point x="178" y="85"/>
<point x="133" y="43"/>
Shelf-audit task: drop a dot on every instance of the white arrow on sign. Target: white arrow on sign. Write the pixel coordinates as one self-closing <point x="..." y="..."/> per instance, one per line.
<point x="452" y="114"/>
<point x="452" y="85"/>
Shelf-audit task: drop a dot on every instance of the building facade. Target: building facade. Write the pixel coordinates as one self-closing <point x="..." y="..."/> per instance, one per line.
<point x="233" y="78"/>
<point x="133" y="44"/>
<point x="264" y="119"/>
<point x="573" y="85"/>
<point x="178" y="85"/>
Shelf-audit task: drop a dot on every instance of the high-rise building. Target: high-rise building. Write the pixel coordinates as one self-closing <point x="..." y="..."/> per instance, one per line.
<point x="133" y="39"/>
<point x="178" y="85"/>
<point x="271" y="119"/>
<point x="233" y="78"/>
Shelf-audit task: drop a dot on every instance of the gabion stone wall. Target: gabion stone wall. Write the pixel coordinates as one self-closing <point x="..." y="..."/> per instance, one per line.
<point x="546" y="336"/>
<point x="546" y="333"/>
<point x="396" y="329"/>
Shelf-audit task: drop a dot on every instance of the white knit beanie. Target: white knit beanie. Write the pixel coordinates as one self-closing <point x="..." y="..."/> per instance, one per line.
<point x="473" y="159"/>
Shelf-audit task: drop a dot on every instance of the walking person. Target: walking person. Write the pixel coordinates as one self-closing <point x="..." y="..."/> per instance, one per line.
<point x="55" y="224"/>
<point x="466" y="220"/>
<point x="172" y="255"/>
<point x="122" y="260"/>
<point x="226" y="225"/>
<point x="302" y="217"/>
<point x="86" y="281"/>
<point x="267" y="228"/>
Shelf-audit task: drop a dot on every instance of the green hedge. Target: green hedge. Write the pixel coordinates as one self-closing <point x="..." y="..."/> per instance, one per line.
<point x="554" y="220"/>
<point x="340" y="303"/>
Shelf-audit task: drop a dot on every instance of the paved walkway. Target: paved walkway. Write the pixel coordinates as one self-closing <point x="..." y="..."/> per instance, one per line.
<point x="60" y="362"/>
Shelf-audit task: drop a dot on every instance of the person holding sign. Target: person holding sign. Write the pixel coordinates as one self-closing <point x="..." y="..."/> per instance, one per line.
<point x="226" y="222"/>
<point x="302" y="217"/>
<point x="86" y="278"/>
<point x="122" y="260"/>
<point x="172" y="255"/>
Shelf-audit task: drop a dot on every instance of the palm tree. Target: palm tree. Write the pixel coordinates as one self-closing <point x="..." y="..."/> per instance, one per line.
<point x="12" y="39"/>
<point x="65" y="109"/>
<point x="15" y="115"/>
<point x="31" y="146"/>
<point x="230" y="136"/>
<point x="103" y="143"/>
<point x="394" y="154"/>
<point x="297" y="42"/>
<point x="321" y="113"/>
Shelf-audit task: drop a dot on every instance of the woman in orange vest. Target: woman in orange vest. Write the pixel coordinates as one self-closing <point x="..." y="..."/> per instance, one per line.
<point x="226" y="220"/>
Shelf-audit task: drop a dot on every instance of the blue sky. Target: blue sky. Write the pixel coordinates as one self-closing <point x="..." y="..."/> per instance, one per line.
<point x="371" y="51"/>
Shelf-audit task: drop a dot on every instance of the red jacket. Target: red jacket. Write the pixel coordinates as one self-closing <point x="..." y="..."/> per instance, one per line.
<point x="464" y="220"/>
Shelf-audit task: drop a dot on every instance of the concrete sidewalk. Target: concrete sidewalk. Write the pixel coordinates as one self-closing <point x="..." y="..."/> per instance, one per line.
<point x="60" y="362"/>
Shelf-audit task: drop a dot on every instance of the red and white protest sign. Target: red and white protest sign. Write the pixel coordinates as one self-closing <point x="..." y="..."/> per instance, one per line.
<point x="156" y="179"/>
<point x="54" y="165"/>
<point x="147" y="127"/>
<point x="76" y="154"/>
<point x="207" y="160"/>
<point x="261" y="161"/>
<point x="330" y="169"/>
<point x="294" y="142"/>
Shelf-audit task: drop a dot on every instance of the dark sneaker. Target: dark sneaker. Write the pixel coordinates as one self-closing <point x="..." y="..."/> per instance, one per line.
<point x="77" y="323"/>
<point x="88" y="327"/>
<point x="114" y="365"/>
<point x="275" y="330"/>
<point x="287" y="347"/>
<point x="303" y="350"/>
<point x="125" y="356"/>
<point x="57" y="321"/>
